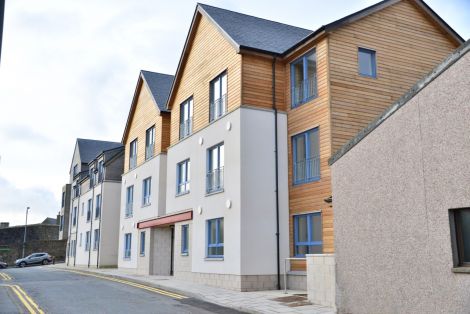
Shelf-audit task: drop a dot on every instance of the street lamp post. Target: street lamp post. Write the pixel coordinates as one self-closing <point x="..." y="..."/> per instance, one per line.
<point x="24" y="237"/>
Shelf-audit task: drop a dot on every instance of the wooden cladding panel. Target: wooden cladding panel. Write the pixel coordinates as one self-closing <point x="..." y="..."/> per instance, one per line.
<point x="309" y="197"/>
<point x="209" y="54"/>
<point x="144" y="116"/>
<point x="257" y="82"/>
<point x="408" y="46"/>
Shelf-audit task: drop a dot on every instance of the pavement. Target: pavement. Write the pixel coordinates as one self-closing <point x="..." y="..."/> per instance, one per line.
<point x="272" y="301"/>
<point x="44" y="289"/>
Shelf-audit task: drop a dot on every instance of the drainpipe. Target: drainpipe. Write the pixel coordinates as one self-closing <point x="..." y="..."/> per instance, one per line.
<point x="91" y="219"/>
<point x="76" y="227"/>
<point x="276" y="170"/>
<point x="99" y="221"/>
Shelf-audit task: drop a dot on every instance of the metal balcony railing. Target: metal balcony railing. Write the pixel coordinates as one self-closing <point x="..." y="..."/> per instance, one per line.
<point x="129" y="210"/>
<point x="146" y="200"/>
<point x="149" y="151"/>
<point x="186" y="128"/>
<point x="218" y="108"/>
<point x="307" y="170"/>
<point x="182" y="188"/>
<point x="215" y="180"/>
<point x="127" y="253"/>
<point x="132" y="162"/>
<point x="304" y="91"/>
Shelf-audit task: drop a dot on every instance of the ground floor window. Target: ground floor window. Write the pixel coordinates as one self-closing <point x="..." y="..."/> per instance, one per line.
<point x="184" y="239"/>
<point x="96" y="241"/>
<point x="460" y="229"/>
<point x="87" y="241"/>
<point x="308" y="234"/>
<point x="215" y="237"/>
<point x="142" y="243"/>
<point x="127" y="245"/>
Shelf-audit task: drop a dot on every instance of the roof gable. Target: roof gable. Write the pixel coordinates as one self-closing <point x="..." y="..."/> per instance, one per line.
<point x="90" y="149"/>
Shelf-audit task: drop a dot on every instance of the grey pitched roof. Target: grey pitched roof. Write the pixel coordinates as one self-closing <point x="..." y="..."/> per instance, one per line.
<point x="160" y="86"/>
<point x="420" y="85"/>
<point x="255" y="33"/>
<point x="89" y="149"/>
<point x="49" y="221"/>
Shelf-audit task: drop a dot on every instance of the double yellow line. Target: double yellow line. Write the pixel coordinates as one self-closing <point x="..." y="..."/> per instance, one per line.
<point x="5" y="276"/>
<point x="133" y="284"/>
<point x="28" y="303"/>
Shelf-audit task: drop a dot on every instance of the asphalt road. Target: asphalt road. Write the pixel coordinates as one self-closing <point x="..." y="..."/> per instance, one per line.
<point x="43" y="289"/>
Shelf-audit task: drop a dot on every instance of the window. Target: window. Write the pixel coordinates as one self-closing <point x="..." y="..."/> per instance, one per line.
<point x="83" y="206"/>
<point x="460" y="234"/>
<point x="98" y="206"/>
<point x="80" y="243"/>
<point x="63" y="199"/>
<point x="127" y="245"/>
<point x="215" y="237"/>
<point x="367" y="62"/>
<point x="75" y="170"/>
<point x="100" y="171"/>
<point x="146" y="191"/>
<point x="87" y="241"/>
<point x="218" y="97"/>
<point x="304" y="79"/>
<point x="184" y="239"/>
<point x="74" y="216"/>
<point x="215" y="169"/>
<point x="306" y="156"/>
<point x="61" y="222"/>
<point x="129" y="201"/>
<point x="92" y="177"/>
<point x="308" y="234"/>
<point x="96" y="237"/>
<point x="89" y="209"/>
<point x="186" y="118"/>
<point x="149" y="142"/>
<point x="142" y="243"/>
<point x="182" y="175"/>
<point x="133" y="154"/>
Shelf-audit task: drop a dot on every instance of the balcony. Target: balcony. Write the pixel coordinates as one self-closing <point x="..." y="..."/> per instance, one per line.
<point x="149" y="151"/>
<point x="215" y="180"/>
<point x="132" y="162"/>
<point x="307" y="170"/>
<point x="129" y="210"/>
<point x="304" y="91"/>
<point x="186" y="128"/>
<point x="218" y="108"/>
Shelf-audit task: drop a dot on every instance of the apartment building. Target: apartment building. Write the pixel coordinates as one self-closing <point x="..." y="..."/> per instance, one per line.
<point x="64" y="212"/>
<point x="94" y="217"/>
<point x="143" y="194"/>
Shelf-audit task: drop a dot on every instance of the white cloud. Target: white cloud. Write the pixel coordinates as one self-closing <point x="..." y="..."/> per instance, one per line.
<point x="69" y="70"/>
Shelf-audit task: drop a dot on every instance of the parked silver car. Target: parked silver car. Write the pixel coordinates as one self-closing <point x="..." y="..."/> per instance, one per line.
<point x="3" y="264"/>
<point x="35" y="258"/>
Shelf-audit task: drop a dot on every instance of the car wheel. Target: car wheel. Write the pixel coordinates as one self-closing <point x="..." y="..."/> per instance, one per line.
<point x="22" y="264"/>
<point x="45" y="262"/>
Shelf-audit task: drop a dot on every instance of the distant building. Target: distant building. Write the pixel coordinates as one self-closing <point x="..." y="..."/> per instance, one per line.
<point x="4" y="224"/>
<point x="2" y="13"/>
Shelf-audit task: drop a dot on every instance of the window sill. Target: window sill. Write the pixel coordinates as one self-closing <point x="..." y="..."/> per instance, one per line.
<point x="142" y="255"/>
<point x="182" y="193"/>
<point x="210" y="259"/>
<point x="294" y="106"/>
<point x="215" y="192"/>
<point x="368" y="76"/>
<point x="184" y="254"/>
<point x="461" y="270"/>
<point x="146" y="205"/>
<point x="126" y="258"/>
<point x="316" y="179"/>
<point x="127" y="217"/>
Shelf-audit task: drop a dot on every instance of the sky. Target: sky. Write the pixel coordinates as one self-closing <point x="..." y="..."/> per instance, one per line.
<point x="69" y="69"/>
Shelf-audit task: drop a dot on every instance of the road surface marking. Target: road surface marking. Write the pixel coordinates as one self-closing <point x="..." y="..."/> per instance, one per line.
<point x="133" y="284"/>
<point x="5" y="276"/>
<point x="27" y="301"/>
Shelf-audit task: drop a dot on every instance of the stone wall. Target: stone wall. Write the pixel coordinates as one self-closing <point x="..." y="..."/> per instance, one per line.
<point x="321" y="279"/>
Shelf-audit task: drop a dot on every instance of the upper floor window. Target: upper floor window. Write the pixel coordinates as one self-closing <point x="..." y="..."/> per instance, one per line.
<point x="215" y="168"/>
<point x="367" y="62"/>
<point x="75" y="170"/>
<point x="74" y="216"/>
<point x="61" y="222"/>
<point x="182" y="175"/>
<point x="127" y="245"/>
<point x="129" y="201"/>
<point x="98" y="206"/>
<point x="186" y="118"/>
<point x="304" y="79"/>
<point x="184" y="239"/>
<point x="460" y="235"/>
<point x="96" y="238"/>
<point x="100" y="171"/>
<point x="215" y="237"/>
<point x="142" y="243"/>
<point x="89" y="210"/>
<point x="146" y="191"/>
<point x="87" y="241"/>
<point x="63" y="199"/>
<point x="306" y="156"/>
<point x="149" y="142"/>
<point x="133" y="154"/>
<point x="308" y="234"/>
<point x="218" y="97"/>
<point x="92" y="176"/>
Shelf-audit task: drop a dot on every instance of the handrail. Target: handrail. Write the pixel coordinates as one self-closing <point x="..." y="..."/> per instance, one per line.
<point x="285" y="268"/>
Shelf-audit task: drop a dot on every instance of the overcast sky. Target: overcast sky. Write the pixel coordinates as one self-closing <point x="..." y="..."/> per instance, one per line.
<point x="69" y="70"/>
